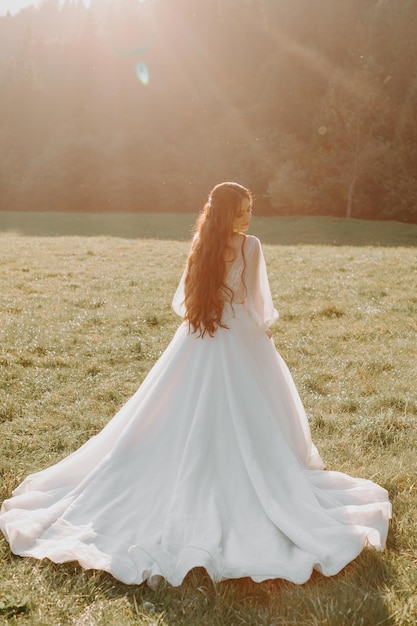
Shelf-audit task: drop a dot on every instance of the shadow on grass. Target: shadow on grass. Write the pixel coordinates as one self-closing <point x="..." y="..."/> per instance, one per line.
<point x="178" y="226"/>
<point x="354" y="596"/>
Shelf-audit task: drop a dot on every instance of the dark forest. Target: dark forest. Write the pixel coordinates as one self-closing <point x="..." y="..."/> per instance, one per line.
<point x="144" y="105"/>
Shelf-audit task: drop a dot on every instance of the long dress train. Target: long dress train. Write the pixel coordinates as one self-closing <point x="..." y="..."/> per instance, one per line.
<point x="210" y="463"/>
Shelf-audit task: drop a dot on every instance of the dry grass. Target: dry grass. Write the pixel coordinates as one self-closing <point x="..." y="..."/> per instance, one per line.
<point x="83" y="320"/>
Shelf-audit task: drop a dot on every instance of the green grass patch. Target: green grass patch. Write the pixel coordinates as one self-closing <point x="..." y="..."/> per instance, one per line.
<point x="83" y="319"/>
<point x="178" y="226"/>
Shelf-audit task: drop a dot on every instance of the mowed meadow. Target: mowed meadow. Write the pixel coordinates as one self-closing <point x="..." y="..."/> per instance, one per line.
<point x="83" y="317"/>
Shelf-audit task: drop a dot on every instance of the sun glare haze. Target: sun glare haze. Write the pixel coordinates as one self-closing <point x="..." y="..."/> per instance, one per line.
<point x="137" y="105"/>
<point x="14" y="6"/>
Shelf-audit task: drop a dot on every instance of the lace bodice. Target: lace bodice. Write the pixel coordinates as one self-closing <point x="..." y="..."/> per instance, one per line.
<point x="235" y="280"/>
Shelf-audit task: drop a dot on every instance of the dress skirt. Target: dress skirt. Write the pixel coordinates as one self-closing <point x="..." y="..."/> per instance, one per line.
<point x="209" y="464"/>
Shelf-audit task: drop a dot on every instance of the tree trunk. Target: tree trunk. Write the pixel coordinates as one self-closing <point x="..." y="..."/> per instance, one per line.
<point x="351" y="189"/>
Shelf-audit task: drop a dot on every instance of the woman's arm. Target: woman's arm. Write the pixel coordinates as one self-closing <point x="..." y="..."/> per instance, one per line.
<point x="178" y="301"/>
<point x="258" y="299"/>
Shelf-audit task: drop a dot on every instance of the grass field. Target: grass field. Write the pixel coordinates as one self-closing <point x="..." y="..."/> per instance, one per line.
<point x="83" y="318"/>
<point x="174" y="226"/>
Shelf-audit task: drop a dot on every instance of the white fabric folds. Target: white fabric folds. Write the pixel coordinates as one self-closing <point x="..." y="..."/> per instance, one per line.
<point x="210" y="463"/>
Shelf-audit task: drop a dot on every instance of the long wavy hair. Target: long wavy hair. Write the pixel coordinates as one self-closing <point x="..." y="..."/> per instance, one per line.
<point x="206" y="265"/>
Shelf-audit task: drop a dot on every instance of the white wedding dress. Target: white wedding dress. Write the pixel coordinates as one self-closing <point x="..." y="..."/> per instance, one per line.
<point x="209" y="464"/>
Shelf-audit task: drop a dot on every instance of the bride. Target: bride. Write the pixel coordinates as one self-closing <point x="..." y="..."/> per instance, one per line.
<point x="210" y="463"/>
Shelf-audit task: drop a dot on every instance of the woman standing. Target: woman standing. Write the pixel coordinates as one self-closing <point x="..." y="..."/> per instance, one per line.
<point x="210" y="463"/>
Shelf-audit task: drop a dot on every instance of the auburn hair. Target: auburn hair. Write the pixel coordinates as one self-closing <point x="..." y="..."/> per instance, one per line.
<point x="206" y="264"/>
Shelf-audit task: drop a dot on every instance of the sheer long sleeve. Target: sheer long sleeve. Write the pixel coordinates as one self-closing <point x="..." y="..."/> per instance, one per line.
<point x="178" y="301"/>
<point x="258" y="299"/>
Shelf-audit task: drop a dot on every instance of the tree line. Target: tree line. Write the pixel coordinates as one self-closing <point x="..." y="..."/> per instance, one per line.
<point x="133" y="105"/>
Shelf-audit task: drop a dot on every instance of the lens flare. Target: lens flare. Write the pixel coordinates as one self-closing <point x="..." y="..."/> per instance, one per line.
<point x="142" y="72"/>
